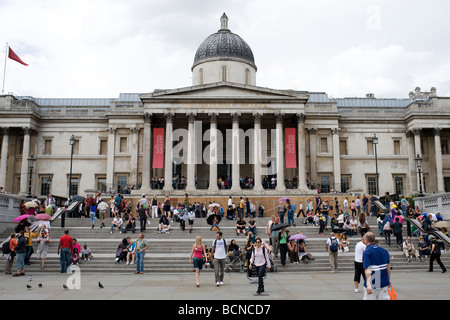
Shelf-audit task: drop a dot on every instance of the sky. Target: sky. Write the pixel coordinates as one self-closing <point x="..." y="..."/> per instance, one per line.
<point x="348" y="48"/>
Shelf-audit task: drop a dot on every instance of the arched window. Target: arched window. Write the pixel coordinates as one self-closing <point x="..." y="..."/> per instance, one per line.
<point x="200" y="76"/>
<point x="224" y="73"/>
<point x="247" y="76"/>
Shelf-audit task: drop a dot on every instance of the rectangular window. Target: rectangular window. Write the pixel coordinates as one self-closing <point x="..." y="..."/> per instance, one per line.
<point x="397" y="150"/>
<point x="370" y="150"/>
<point x="343" y="147"/>
<point x="121" y="183"/>
<point x="123" y="148"/>
<point x="45" y="186"/>
<point x="323" y="145"/>
<point x="103" y="147"/>
<point x="101" y="184"/>
<point x="47" y="146"/>
<point x="345" y="183"/>
<point x="325" y="184"/>
<point x="399" y="185"/>
<point x="444" y="146"/>
<point x="73" y="188"/>
<point x="372" y="185"/>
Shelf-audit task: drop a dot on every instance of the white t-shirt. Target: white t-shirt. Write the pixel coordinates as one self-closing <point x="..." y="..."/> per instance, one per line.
<point x="359" y="251"/>
<point x="219" y="251"/>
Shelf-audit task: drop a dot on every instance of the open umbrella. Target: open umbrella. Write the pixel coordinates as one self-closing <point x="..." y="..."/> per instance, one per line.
<point x="339" y="230"/>
<point x="280" y="226"/>
<point x="210" y="219"/>
<point x="77" y="198"/>
<point x="31" y="204"/>
<point x="43" y="216"/>
<point x="298" y="236"/>
<point x="284" y="199"/>
<point x="441" y="224"/>
<point x="22" y="217"/>
<point x="214" y="205"/>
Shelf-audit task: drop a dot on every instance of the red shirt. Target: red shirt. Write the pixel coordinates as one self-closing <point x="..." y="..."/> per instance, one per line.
<point x="66" y="241"/>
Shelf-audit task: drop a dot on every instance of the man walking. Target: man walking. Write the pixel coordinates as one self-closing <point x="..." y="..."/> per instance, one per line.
<point x="102" y="208"/>
<point x="332" y="248"/>
<point x="359" y="270"/>
<point x="64" y="248"/>
<point x="219" y="252"/>
<point x="377" y="270"/>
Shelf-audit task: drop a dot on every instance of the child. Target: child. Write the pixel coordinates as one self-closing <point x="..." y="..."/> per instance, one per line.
<point x="75" y="252"/>
<point x="86" y="253"/>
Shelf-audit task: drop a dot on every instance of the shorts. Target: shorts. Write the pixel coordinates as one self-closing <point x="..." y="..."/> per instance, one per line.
<point x="198" y="263"/>
<point x="359" y="271"/>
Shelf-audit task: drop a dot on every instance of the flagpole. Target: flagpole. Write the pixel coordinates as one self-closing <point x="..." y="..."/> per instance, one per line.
<point x="4" y="69"/>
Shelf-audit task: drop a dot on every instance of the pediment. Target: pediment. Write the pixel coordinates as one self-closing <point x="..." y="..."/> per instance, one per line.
<point x="224" y="91"/>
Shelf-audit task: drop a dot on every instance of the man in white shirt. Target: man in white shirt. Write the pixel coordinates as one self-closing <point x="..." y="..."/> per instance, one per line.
<point x="219" y="250"/>
<point x="102" y="208"/>
<point x="359" y="270"/>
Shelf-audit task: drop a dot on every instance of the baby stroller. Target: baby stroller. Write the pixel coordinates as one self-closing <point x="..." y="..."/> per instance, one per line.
<point x="234" y="262"/>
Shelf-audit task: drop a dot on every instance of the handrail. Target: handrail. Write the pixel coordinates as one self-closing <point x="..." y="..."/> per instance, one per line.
<point x="436" y="233"/>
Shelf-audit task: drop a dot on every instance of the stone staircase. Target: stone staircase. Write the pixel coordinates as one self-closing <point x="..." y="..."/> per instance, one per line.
<point x="169" y="253"/>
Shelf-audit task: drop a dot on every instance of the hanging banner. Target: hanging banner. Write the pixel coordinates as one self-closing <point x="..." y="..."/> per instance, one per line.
<point x="290" y="147"/>
<point x="158" y="148"/>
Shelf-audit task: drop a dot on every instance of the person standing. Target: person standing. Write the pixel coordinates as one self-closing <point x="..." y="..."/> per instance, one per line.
<point x="435" y="254"/>
<point x="64" y="249"/>
<point x="12" y="254"/>
<point x="219" y="250"/>
<point x="141" y="246"/>
<point x="332" y="247"/>
<point x="359" y="270"/>
<point x="20" y="249"/>
<point x="377" y="270"/>
<point x="44" y="242"/>
<point x="283" y="238"/>
<point x="102" y="208"/>
<point x="260" y="259"/>
<point x="198" y="256"/>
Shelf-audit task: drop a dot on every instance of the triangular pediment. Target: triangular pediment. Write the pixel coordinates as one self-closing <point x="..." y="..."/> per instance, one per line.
<point x="224" y="90"/>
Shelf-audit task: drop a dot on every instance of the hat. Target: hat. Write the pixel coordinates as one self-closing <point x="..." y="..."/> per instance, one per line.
<point x="431" y="237"/>
<point x="394" y="206"/>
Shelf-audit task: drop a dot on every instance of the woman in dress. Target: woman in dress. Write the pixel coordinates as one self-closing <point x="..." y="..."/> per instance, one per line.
<point x="198" y="256"/>
<point x="44" y="240"/>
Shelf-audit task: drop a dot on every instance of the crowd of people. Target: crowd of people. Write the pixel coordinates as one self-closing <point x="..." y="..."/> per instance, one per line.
<point x="343" y="221"/>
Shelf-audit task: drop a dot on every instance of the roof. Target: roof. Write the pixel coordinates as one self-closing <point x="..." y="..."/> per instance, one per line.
<point x="82" y="102"/>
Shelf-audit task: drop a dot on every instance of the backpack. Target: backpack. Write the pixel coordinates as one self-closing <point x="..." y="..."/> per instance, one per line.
<point x="5" y="248"/>
<point x="334" y="245"/>
<point x="224" y="244"/>
<point x="293" y="207"/>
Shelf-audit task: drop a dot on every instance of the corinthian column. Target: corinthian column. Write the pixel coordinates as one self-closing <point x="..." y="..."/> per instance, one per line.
<point x="257" y="182"/>
<point x="168" y="157"/>
<point x="213" y="153"/>
<point x="438" y="152"/>
<point x="147" y="156"/>
<point x="280" y="153"/>
<point x="301" y="118"/>
<point x="4" y="162"/>
<point x="25" y="154"/>
<point x="110" y="161"/>
<point x="336" y="160"/>
<point x="191" y="154"/>
<point x="235" y="164"/>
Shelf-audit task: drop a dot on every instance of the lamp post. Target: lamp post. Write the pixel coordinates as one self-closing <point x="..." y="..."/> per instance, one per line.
<point x="31" y="161"/>
<point x="375" y="142"/>
<point x="419" y="161"/>
<point x="71" y="142"/>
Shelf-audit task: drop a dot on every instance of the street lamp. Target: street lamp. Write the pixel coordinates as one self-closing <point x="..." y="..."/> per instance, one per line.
<point x="375" y="142"/>
<point x="71" y="142"/>
<point x="419" y="161"/>
<point x="31" y="161"/>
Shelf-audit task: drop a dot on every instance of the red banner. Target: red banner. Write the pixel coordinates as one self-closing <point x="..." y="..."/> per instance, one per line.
<point x="158" y="148"/>
<point x="290" y="147"/>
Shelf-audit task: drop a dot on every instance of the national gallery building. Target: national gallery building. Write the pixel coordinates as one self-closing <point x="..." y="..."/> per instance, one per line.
<point x="224" y="135"/>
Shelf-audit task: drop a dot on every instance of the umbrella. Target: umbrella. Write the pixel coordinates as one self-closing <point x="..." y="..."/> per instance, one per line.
<point x="210" y="219"/>
<point x="298" y="236"/>
<point x="279" y="226"/>
<point x="214" y="205"/>
<point x="22" y="217"/>
<point x="284" y="199"/>
<point x="31" y="204"/>
<point x="77" y="198"/>
<point x="42" y="216"/>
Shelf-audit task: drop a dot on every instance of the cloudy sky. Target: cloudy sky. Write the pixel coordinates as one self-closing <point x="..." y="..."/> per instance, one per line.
<point x="100" y="48"/>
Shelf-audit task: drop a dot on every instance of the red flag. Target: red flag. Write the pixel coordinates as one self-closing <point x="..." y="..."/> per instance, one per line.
<point x="13" y="56"/>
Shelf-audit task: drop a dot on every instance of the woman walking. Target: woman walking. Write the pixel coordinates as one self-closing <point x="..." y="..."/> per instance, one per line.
<point x="260" y="259"/>
<point x="435" y="254"/>
<point x="198" y="256"/>
<point x="44" y="241"/>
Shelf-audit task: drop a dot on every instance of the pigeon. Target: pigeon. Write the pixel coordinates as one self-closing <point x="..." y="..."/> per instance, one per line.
<point x="100" y="285"/>
<point x="40" y="285"/>
<point x="28" y="286"/>
<point x="65" y="287"/>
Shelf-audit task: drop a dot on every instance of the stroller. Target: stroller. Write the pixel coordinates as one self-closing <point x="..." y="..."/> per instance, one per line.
<point x="235" y="262"/>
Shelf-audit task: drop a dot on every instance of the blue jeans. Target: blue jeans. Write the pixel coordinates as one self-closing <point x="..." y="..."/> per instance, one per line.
<point x="291" y="218"/>
<point x="281" y="213"/>
<point x="20" y="261"/>
<point x="120" y="228"/>
<point x="260" y="271"/>
<point x="140" y="261"/>
<point x="92" y="217"/>
<point x="64" y="258"/>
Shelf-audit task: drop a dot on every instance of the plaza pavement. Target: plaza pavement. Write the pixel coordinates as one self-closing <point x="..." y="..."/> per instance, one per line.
<point x="180" y="287"/>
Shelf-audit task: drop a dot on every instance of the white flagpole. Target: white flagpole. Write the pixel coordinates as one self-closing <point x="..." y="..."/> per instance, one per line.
<point x="4" y="68"/>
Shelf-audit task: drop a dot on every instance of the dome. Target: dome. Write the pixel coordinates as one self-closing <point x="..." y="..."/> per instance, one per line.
<point x="224" y="45"/>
